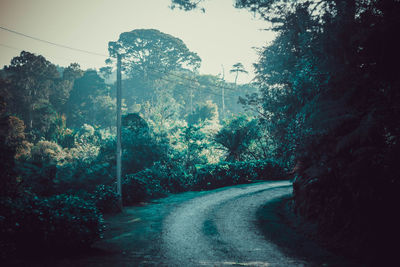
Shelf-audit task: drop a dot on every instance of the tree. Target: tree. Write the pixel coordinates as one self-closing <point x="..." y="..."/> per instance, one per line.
<point x="236" y="136"/>
<point x="186" y="4"/>
<point x="72" y="72"/>
<point x="13" y="145"/>
<point x="33" y="83"/>
<point x="86" y="103"/>
<point x="104" y="109"/>
<point x="194" y="139"/>
<point x="203" y="112"/>
<point x="149" y="52"/>
<point x="328" y="94"/>
<point x="64" y="86"/>
<point x="236" y="68"/>
<point x="140" y="147"/>
<point x="163" y="114"/>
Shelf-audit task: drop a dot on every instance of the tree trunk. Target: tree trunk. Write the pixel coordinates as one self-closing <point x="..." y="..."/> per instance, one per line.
<point x="237" y="74"/>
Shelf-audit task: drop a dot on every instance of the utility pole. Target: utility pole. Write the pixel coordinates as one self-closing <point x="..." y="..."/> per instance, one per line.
<point x="223" y="93"/>
<point x="119" y="153"/>
<point x="191" y="100"/>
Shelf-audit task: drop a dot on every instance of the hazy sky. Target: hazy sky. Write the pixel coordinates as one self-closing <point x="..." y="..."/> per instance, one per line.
<point x="221" y="36"/>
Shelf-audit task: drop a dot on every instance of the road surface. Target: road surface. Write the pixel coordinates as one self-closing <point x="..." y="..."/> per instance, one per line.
<point x="220" y="229"/>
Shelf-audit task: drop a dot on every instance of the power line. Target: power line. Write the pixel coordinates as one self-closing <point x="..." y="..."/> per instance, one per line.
<point x="51" y="43"/>
<point x="192" y="80"/>
<point x="165" y="79"/>
<point x="103" y="55"/>
<point x="10" y="47"/>
<point x="202" y="87"/>
<point x="197" y="88"/>
<point x="46" y="55"/>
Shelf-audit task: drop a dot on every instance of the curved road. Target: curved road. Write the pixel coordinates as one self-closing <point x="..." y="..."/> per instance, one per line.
<point x="219" y="229"/>
<point x="210" y="228"/>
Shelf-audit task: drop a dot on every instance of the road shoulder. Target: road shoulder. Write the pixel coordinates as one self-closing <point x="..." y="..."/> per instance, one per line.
<point x="294" y="236"/>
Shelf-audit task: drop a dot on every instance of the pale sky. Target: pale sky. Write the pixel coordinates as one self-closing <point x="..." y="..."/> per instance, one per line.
<point x="221" y="36"/>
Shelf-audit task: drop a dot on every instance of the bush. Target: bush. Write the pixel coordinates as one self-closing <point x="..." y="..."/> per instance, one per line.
<point x="141" y="186"/>
<point x="231" y="173"/>
<point x="155" y="182"/>
<point x="162" y="179"/>
<point x="83" y="176"/>
<point x="75" y="223"/>
<point x="32" y="225"/>
<point x="39" y="178"/>
<point x="106" y="199"/>
<point x="173" y="178"/>
<point x="47" y="152"/>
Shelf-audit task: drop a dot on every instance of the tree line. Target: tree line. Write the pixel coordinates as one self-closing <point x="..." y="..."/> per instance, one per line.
<point x="58" y="139"/>
<point x="324" y="109"/>
<point x="329" y="97"/>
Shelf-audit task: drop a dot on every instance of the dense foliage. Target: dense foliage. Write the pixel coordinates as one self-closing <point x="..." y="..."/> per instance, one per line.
<point x="329" y="100"/>
<point x="35" y="225"/>
<point x="228" y="173"/>
<point x="58" y="140"/>
<point x="330" y="96"/>
<point x="327" y="109"/>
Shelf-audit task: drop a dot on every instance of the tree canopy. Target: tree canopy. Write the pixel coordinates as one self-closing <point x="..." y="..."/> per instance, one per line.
<point x="151" y="52"/>
<point x="326" y="111"/>
<point x="329" y="101"/>
<point x="238" y="68"/>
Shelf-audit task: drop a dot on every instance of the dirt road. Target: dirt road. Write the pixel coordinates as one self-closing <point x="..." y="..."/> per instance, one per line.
<point x="223" y="227"/>
<point x="219" y="229"/>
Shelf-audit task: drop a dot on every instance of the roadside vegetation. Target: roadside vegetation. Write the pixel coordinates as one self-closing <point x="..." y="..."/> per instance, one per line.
<point x="324" y="108"/>
<point x="58" y="140"/>
<point x="329" y="96"/>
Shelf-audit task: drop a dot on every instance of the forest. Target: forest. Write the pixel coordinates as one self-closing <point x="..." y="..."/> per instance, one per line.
<point x="323" y="112"/>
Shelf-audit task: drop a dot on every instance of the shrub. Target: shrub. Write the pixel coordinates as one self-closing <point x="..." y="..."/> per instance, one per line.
<point x="230" y="173"/>
<point x="106" y="199"/>
<point x="173" y="177"/>
<point x="41" y="179"/>
<point x="155" y="182"/>
<point x="141" y="186"/>
<point x="67" y="140"/>
<point x="47" y="152"/>
<point x="32" y="225"/>
<point x="165" y="178"/>
<point x="75" y="223"/>
<point x="83" y="176"/>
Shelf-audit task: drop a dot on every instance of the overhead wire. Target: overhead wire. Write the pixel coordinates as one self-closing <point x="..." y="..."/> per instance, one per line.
<point x="10" y="47"/>
<point x="44" y="54"/>
<point x="196" y="81"/>
<point x="201" y="88"/>
<point x="192" y="80"/>
<point x="165" y="79"/>
<point x="217" y="86"/>
<point x="106" y="56"/>
<point x="52" y="43"/>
